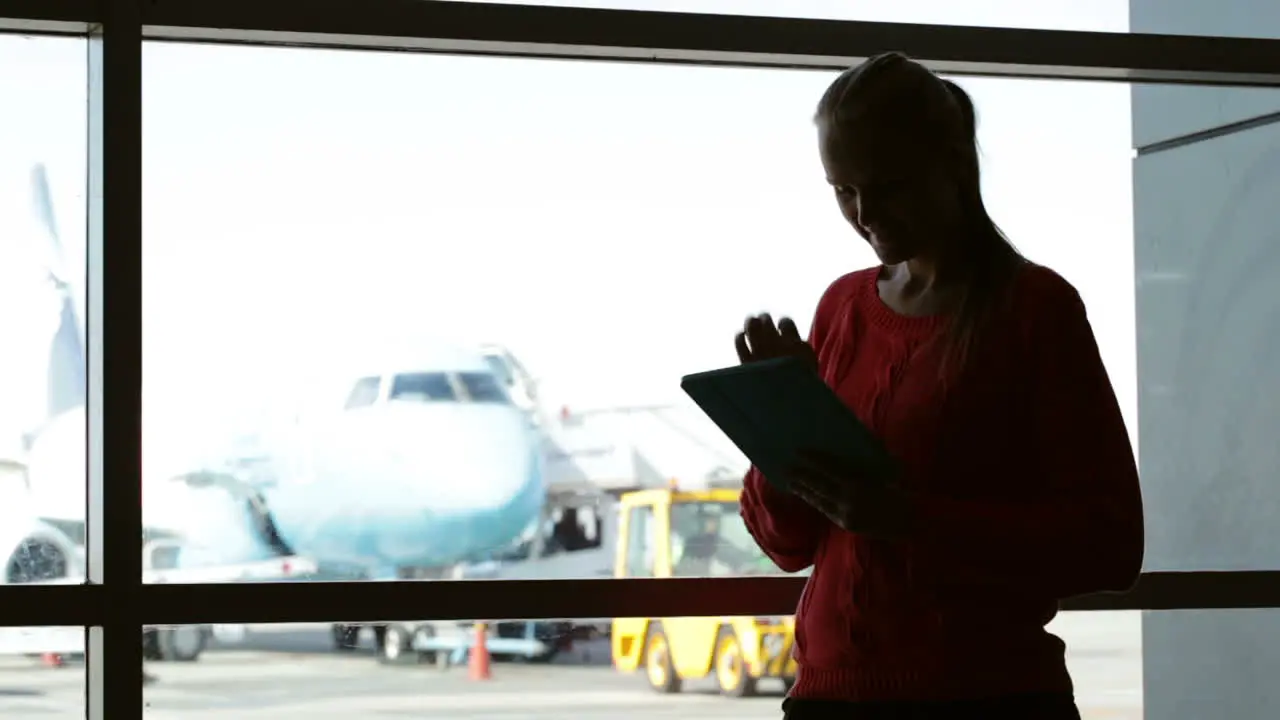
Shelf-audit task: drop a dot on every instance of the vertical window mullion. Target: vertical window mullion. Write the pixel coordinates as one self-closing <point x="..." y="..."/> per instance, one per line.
<point x="114" y="194"/>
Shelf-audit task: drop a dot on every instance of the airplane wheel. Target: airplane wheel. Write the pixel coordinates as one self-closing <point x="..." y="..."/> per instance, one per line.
<point x="732" y="673"/>
<point x="345" y="637"/>
<point x="182" y="643"/>
<point x="658" y="667"/>
<point x="397" y="646"/>
<point x="150" y="646"/>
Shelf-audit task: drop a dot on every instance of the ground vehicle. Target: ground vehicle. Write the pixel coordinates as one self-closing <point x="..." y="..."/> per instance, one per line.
<point x="185" y="643"/>
<point x="669" y="533"/>
<point x="548" y="552"/>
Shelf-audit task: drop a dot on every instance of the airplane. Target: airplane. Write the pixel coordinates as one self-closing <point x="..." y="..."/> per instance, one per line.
<point x="430" y="456"/>
<point x="44" y="491"/>
<point x="422" y="462"/>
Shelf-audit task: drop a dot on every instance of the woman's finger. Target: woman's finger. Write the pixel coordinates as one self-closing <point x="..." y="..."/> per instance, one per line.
<point x="744" y="350"/>
<point x="770" y="331"/>
<point x="787" y="328"/>
<point x="763" y="336"/>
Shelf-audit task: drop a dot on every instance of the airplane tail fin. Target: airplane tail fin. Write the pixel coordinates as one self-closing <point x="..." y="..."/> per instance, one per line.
<point x="67" y="358"/>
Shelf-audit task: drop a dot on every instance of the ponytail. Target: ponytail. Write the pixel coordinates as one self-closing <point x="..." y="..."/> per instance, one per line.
<point x="965" y="104"/>
<point x="992" y="258"/>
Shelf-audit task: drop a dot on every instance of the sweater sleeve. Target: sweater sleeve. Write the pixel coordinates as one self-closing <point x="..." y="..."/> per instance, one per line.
<point x="785" y="527"/>
<point x="1084" y="532"/>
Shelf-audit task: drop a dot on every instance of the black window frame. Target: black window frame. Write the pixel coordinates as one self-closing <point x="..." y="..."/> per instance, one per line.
<point x="113" y="603"/>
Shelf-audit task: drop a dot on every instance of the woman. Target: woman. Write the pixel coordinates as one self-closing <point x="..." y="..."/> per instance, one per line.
<point x="979" y="372"/>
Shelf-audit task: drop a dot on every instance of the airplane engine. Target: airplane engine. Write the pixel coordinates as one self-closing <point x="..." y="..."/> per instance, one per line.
<point x="225" y="523"/>
<point x="40" y="554"/>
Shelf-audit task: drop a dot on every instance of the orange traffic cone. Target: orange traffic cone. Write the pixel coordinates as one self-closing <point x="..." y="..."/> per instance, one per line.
<point x="478" y="662"/>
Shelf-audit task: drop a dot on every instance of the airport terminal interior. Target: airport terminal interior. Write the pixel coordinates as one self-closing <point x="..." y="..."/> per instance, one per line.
<point x="344" y="341"/>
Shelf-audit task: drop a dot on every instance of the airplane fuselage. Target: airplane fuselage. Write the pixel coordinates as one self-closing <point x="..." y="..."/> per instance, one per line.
<point x="419" y="471"/>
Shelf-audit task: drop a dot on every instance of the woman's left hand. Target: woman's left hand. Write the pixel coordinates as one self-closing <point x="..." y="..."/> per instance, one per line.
<point x="855" y="504"/>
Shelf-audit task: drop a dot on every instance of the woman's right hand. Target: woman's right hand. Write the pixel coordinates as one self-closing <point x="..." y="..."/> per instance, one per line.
<point x="761" y="339"/>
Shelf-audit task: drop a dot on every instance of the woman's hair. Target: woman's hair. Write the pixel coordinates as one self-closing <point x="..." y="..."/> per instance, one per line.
<point x="892" y="95"/>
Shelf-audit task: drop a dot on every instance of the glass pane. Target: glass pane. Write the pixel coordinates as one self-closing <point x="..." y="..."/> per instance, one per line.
<point x="593" y="670"/>
<point x="593" y="231"/>
<point x="42" y="292"/>
<point x="1206" y="253"/>
<point x="41" y="673"/>
<point x="1096" y="15"/>
<point x="1237" y="18"/>
<point x="710" y="539"/>
<point x="1243" y="643"/>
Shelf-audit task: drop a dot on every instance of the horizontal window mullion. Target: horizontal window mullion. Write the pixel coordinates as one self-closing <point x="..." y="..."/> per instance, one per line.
<point x="48" y="605"/>
<point x="568" y="32"/>
<point x="63" y="17"/>
<point x="548" y="599"/>
<point x="41" y="605"/>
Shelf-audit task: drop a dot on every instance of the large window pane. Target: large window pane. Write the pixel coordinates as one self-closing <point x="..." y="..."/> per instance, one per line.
<point x="1206" y="238"/>
<point x="42" y="285"/>
<point x="1096" y="15"/>
<point x="1245" y="18"/>
<point x="1205" y="184"/>
<point x="425" y="317"/>
<point x="558" y="669"/>
<point x="385" y="291"/>
<point x="41" y="673"/>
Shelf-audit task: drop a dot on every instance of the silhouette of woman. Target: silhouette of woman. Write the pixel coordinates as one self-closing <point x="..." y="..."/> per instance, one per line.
<point x="980" y="373"/>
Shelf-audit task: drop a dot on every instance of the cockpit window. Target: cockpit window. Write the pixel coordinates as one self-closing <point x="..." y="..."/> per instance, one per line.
<point x="364" y="394"/>
<point x="423" y="387"/>
<point x="482" y="388"/>
<point x="501" y="369"/>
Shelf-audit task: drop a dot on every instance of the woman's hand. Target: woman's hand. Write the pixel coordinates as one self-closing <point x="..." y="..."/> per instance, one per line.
<point x="760" y="339"/>
<point x="855" y="504"/>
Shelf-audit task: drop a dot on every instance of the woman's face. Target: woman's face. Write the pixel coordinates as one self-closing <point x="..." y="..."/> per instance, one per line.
<point x="901" y="202"/>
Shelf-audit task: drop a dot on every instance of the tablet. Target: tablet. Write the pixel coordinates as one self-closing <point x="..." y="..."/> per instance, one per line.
<point x="775" y="409"/>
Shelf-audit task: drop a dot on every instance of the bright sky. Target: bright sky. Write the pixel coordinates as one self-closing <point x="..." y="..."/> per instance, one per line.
<point x="612" y="224"/>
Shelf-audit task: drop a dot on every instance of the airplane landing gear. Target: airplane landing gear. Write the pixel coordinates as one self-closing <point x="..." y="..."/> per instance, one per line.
<point x="345" y="637"/>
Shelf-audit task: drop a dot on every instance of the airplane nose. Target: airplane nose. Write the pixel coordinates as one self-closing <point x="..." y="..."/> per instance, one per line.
<point x="474" y="460"/>
<point x="423" y="486"/>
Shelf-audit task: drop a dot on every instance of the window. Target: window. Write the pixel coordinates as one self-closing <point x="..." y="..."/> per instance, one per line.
<point x="1111" y="16"/>
<point x="501" y="368"/>
<point x="1096" y="15"/>
<point x="43" y="375"/>
<point x="482" y="388"/>
<point x="364" y="394"/>
<point x="710" y="539"/>
<point x="242" y="190"/>
<point x="642" y="530"/>
<point x="575" y="289"/>
<point x="423" y="387"/>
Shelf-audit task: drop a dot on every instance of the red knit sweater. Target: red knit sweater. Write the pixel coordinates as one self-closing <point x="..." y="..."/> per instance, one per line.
<point x="1024" y="491"/>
